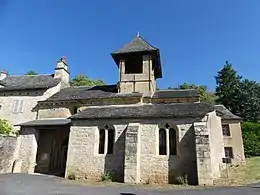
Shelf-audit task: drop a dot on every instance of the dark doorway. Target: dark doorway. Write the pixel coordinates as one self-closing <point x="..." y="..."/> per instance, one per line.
<point x="52" y="150"/>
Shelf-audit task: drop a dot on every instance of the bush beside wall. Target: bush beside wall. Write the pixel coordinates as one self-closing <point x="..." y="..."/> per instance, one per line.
<point x="251" y="138"/>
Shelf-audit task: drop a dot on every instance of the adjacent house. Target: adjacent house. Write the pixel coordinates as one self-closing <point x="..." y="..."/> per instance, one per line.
<point x="20" y="94"/>
<point x="129" y="130"/>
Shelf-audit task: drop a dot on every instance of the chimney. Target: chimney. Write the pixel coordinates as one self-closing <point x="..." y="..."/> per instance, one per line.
<point x="61" y="72"/>
<point x="3" y="75"/>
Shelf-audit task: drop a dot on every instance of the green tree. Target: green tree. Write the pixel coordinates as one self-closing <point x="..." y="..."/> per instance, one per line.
<point x="31" y="72"/>
<point x="204" y="94"/>
<point x="227" y="89"/>
<point x="82" y="80"/>
<point x="249" y="100"/>
<point x="5" y="127"/>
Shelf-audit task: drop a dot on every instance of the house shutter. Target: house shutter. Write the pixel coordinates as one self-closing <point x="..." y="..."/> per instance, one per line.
<point x="15" y="106"/>
<point x="21" y="106"/>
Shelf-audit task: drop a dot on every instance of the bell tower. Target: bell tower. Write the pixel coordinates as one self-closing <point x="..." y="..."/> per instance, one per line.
<point x="139" y="66"/>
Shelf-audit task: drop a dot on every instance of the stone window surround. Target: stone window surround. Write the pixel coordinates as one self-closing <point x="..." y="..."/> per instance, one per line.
<point x="229" y="129"/>
<point x="106" y="128"/>
<point x="167" y="129"/>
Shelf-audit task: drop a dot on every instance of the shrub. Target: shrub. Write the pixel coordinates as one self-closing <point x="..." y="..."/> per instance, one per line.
<point x="5" y="127"/>
<point x="251" y="138"/>
<point x="106" y="176"/>
<point x="181" y="179"/>
<point x="72" y="176"/>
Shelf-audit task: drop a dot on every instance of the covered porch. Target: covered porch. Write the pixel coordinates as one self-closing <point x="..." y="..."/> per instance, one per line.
<point x="49" y="145"/>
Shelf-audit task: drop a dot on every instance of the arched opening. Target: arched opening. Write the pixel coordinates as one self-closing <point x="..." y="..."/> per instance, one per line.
<point x="101" y="149"/>
<point x="162" y="142"/>
<point x="173" y="141"/>
<point x="110" y="142"/>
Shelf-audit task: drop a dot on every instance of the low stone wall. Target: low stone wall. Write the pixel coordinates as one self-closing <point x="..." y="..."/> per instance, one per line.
<point x="8" y="147"/>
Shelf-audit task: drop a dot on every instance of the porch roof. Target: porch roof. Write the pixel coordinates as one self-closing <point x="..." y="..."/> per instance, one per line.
<point x="46" y="122"/>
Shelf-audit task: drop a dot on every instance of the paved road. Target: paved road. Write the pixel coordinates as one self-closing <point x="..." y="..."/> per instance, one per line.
<point x="23" y="184"/>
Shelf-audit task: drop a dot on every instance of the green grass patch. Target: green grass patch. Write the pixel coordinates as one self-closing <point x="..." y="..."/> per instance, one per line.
<point x="242" y="174"/>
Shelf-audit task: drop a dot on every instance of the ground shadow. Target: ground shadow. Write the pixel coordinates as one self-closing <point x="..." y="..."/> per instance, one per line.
<point x="127" y="194"/>
<point x="183" y="167"/>
<point x="114" y="163"/>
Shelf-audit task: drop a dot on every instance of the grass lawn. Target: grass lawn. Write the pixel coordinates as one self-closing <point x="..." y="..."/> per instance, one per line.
<point x="243" y="174"/>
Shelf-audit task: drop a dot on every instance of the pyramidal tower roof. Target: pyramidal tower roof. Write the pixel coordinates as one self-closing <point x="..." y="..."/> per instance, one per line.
<point x="137" y="44"/>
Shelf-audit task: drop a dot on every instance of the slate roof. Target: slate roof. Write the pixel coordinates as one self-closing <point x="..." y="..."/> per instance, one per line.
<point x="138" y="44"/>
<point x="28" y="82"/>
<point x="178" y="93"/>
<point x="46" y="122"/>
<point x="80" y="93"/>
<point x="225" y="113"/>
<point x="146" y="111"/>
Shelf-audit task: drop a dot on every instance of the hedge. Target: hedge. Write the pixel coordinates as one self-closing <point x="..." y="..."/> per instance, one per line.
<point x="251" y="138"/>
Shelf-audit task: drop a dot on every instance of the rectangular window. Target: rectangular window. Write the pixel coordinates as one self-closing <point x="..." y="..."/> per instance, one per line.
<point x="226" y="130"/>
<point x="18" y="106"/>
<point x="229" y="152"/>
<point x="134" y="64"/>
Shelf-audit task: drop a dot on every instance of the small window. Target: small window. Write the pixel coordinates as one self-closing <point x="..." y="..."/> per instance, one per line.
<point x="162" y="142"/>
<point x="18" y="106"/>
<point x="229" y="152"/>
<point x="226" y="130"/>
<point x="75" y="110"/>
<point x="167" y="140"/>
<point x="134" y="64"/>
<point x="173" y="141"/>
<point x="106" y="140"/>
<point x="101" y="149"/>
<point x="110" y="143"/>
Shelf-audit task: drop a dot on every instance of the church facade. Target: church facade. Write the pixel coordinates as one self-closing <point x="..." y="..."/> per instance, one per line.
<point x="130" y="130"/>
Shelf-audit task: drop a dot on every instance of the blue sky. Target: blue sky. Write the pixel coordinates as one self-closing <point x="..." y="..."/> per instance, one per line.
<point x="195" y="38"/>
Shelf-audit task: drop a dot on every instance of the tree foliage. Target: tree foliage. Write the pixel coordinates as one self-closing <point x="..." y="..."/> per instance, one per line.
<point x="251" y="138"/>
<point x="249" y="100"/>
<point x="240" y="96"/>
<point x="31" y="72"/>
<point x="204" y="94"/>
<point x="5" y="127"/>
<point x="82" y="80"/>
<point x="227" y="89"/>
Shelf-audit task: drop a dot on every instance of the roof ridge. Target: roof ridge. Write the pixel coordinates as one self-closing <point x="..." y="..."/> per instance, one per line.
<point x="143" y="39"/>
<point x="176" y="89"/>
<point x="29" y="75"/>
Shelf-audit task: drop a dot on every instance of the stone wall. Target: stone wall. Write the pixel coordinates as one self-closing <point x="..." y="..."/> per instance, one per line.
<point x="216" y="143"/>
<point x="28" y="149"/>
<point x="85" y="162"/>
<point x="83" y="158"/>
<point x="54" y="113"/>
<point x="156" y="168"/>
<point x="8" y="146"/>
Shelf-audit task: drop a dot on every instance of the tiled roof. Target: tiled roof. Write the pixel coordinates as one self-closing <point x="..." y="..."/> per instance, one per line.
<point x="80" y="93"/>
<point x="137" y="44"/>
<point x="225" y="113"/>
<point x="178" y="93"/>
<point x="28" y="82"/>
<point x="146" y="111"/>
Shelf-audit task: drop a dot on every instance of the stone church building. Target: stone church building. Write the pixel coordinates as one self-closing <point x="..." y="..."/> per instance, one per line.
<point x="130" y="130"/>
